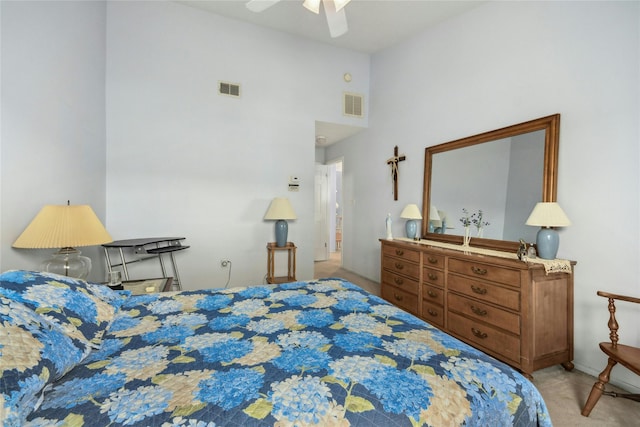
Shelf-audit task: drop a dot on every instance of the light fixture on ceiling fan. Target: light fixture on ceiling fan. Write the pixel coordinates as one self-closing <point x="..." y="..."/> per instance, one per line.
<point x="334" y="10"/>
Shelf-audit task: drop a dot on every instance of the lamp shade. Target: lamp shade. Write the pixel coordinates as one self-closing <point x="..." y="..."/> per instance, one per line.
<point x="411" y="212"/>
<point x="433" y="213"/>
<point x="62" y="226"/>
<point x="280" y="208"/>
<point x="548" y="214"/>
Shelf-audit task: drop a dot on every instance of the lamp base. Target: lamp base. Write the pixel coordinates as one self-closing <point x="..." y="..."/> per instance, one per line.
<point x="547" y="241"/>
<point x="68" y="262"/>
<point x="282" y="228"/>
<point x="411" y="228"/>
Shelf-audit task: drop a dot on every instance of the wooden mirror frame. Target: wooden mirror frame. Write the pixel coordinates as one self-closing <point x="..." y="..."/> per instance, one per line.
<point x="551" y="126"/>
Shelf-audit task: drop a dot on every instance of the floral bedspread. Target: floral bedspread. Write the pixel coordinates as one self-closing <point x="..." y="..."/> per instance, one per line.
<point x="320" y="353"/>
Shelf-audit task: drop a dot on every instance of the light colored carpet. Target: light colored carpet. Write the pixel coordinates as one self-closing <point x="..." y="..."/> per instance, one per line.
<point x="563" y="392"/>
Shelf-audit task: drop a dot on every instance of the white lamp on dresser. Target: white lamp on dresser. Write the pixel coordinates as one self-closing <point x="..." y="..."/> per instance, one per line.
<point x="547" y="215"/>
<point x="411" y="213"/>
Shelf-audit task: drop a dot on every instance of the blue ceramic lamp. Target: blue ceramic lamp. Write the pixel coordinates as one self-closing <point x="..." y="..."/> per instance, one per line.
<point x="547" y="215"/>
<point x="435" y="221"/>
<point x="411" y="213"/>
<point x="280" y="210"/>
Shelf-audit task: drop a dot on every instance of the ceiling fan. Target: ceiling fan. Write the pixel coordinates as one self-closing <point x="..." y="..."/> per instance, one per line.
<point x="334" y="10"/>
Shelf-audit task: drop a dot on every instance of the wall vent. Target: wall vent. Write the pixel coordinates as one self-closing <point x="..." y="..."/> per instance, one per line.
<point x="352" y="104"/>
<point x="230" y="89"/>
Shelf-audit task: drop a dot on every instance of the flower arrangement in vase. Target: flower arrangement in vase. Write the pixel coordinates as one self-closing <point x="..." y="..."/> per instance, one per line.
<point x="466" y="223"/>
<point x="480" y="224"/>
<point x="477" y="220"/>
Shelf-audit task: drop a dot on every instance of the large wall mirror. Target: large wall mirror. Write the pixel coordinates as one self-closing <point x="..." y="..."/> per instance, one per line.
<point x="502" y="173"/>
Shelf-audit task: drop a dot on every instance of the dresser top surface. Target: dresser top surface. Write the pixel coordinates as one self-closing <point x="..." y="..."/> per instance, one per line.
<point x="470" y="253"/>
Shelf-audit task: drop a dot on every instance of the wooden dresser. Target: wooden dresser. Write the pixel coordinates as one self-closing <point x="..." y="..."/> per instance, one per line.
<point x="507" y="308"/>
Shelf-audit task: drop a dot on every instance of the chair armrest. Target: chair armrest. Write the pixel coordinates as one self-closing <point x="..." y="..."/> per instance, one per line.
<point x="619" y="297"/>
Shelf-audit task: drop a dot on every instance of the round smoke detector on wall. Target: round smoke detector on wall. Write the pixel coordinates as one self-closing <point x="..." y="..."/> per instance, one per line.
<point x="347" y="77"/>
<point x="321" y="140"/>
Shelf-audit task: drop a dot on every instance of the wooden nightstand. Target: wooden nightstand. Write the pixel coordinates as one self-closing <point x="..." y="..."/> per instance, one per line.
<point x="272" y="249"/>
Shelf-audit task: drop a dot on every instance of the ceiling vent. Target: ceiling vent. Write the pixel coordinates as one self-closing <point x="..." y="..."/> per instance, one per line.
<point x="352" y="104"/>
<point x="230" y="89"/>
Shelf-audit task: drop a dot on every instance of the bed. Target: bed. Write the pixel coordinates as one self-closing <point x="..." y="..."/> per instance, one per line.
<point x="322" y="352"/>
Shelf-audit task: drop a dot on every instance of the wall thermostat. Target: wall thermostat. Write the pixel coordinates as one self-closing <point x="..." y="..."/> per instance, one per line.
<point x="294" y="183"/>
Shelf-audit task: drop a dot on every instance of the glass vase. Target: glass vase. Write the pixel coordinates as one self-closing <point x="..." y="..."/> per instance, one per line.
<point x="467" y="237"/>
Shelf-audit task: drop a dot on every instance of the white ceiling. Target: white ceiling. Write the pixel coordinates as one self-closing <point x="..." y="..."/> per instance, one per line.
<point x="373" y="25"/>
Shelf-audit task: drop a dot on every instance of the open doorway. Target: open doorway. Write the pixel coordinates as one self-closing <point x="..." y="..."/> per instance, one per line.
<point x="339" y="213"/>
<point x="330" y="216"/>
<point x="329" y="236"/>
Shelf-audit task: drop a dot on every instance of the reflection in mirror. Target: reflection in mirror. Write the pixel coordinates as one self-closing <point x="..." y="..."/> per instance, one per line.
<point x="501" y="174"/>
<point x="506" y="186"/>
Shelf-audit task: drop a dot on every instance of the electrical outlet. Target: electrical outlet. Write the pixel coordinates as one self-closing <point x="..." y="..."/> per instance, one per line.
<point x="225" y="263"/>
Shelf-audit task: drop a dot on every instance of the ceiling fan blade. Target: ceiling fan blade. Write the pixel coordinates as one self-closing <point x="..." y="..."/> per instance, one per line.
<point x="337" y="20"/>
<point x="260" y="5"/>
<point x="312" y="5"/>
<point x="340" y="3"/>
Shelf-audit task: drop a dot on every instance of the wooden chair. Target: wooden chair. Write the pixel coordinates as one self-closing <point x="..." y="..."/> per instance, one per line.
<point x="627" y="356"/>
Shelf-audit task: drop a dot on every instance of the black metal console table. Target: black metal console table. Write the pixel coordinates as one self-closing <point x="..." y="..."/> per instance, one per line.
<point x="147" y="248"/>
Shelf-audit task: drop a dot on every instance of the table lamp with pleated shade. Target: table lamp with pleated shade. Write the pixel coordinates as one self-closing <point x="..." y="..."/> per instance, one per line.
<point x="64" y="227"/>
<point x="411" y="213"/>
<point x="280" y="210"/>
<point x="547" y="215"/>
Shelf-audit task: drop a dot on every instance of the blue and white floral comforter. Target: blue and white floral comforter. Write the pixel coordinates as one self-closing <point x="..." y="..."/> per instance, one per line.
<point x="322" y="353"/>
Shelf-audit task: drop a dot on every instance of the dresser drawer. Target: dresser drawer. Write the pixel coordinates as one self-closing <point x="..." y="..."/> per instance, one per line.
<point x="500" y="343"/>
<point x="408" y="285"/>
<point x="397" y="265"/>
<point x="400" y="298"/>
<point x="482" y="271"/>
<point x="433" y="294"/>
<point x="433" y="314"/>
<point x="433" y="277"/>
<point x="407" y="254"/>
<point x="487" y="292"/>
<point x="487" y="313"/>
<point x="433" y="260"/>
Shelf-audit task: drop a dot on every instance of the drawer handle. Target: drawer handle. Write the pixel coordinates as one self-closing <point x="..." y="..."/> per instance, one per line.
<point x="478" y="333"/>
<point x="431" y="293"/>
<point x="478" y="290"/>
<point x="432" y="312"/>
<point x="432" y="260"/>
<point x="478" y="311"/>
<point x="398" y="280"/>
<point x="397" y="297"/>
<point x="432" y="276"/>
<point x="399" y="252"/>
<point x="399" y="266"/>
<point x="479" y="271"/>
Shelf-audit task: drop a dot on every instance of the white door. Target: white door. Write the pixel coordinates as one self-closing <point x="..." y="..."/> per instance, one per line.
<point x="321" y="213"/>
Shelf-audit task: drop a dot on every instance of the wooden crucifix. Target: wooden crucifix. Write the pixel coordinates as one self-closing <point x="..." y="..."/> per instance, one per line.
<point x="393" y="162"/>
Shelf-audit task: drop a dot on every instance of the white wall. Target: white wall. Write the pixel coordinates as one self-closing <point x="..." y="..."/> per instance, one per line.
<point x="504" y="63"/>
<point x="184" y="161"/>
<point x="52" y="145"/>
